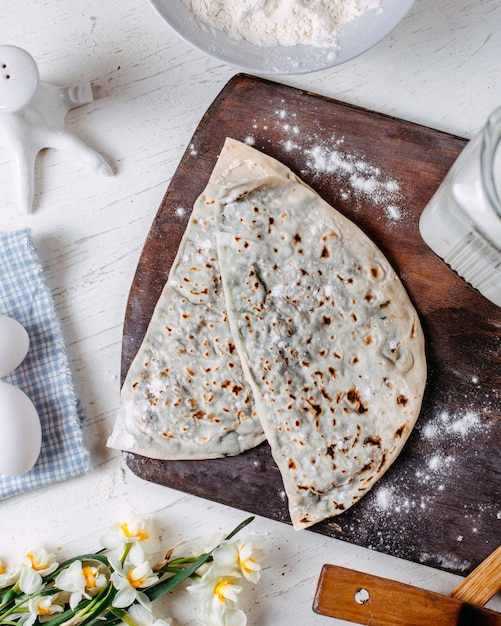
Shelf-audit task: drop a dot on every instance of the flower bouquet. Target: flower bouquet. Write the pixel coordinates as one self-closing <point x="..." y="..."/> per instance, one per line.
<point x="117" y="585"/>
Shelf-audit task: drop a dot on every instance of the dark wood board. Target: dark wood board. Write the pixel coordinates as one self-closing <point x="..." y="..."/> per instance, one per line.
<point x="439" y="504"/>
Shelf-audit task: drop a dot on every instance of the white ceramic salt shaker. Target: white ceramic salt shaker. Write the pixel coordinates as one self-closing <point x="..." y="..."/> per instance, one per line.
<point x="32" y="115"/>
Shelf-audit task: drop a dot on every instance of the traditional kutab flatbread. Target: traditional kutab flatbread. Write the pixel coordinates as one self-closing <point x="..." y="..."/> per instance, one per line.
<point x="185" y="395"/>
<point x="279" y="315"/>
<point x="328" y="338"/>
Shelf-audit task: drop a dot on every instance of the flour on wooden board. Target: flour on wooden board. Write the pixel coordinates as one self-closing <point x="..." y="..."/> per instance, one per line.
<point x="437" y="473"/>
<point x="280" y="22"/>
<point x="438" y="470"/>
<point x="325" y="154"/>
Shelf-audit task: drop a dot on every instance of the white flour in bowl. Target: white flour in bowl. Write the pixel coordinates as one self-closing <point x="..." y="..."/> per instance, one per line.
<point x="280" y="22"/>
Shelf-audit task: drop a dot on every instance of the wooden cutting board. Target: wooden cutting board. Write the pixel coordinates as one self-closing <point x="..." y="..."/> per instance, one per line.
<point x="439" y="504"/>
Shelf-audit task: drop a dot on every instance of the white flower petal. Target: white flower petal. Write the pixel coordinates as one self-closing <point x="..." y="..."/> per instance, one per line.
<point x="234" y="617"/>
<point x="141" y="615"/>
<point x="143" y="599"/>
<point x="136" y="554"/>
<point x="29" y="581"/>
<point x="71" y="578"/>
<point x="134" y="530"/>
<point x="124" y="598"/>
<point x="226" y="555"/>
<point x="144" y="617"/>
<point x="111" y="538"/>
<point x="228" y="590"/>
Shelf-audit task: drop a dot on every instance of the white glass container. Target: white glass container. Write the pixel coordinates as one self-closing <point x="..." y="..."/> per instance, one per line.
<point x="462" y="221"/>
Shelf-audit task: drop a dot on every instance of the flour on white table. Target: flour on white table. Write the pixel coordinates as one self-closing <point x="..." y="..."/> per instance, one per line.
<point x="280" y="22"/>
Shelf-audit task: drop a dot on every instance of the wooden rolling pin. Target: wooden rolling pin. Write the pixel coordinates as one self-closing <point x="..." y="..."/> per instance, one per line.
<point x="374" y="601"/>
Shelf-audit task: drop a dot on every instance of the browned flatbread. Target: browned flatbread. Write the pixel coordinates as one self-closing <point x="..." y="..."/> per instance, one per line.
<point x="185" y="395"/>
<point x="328" y="337"/>
<point x="279" y="315"/>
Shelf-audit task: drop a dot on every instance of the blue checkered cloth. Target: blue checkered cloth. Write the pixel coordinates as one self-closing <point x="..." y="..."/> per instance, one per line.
<point x="44" y="375"/>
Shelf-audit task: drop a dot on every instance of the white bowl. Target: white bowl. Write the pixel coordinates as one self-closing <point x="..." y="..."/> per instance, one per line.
<point x="355" y="38"/>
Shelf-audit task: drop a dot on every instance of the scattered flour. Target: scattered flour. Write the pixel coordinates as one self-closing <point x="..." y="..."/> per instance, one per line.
<point x="364" y="179"/>
<point x="356" y="178"/>
<point x="384" y="498"/>
<point x="454" y="426"/>
<point x="280" y="22"/>
<point x="180" y="211"/>
<point x="417" y="491"/>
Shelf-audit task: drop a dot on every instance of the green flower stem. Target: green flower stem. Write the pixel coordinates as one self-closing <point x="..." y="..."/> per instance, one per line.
<point x="240" y="527"/>
<point x="123" y="616"/>
<point x="18" y="608"/>
<point x="9" y="595"/>
<point x="170" y="583"/>
<point x="125" y="552"/>
<point x="183" y="559"/>
<point x="12" y="610"/>
<point x="172" y="569"/>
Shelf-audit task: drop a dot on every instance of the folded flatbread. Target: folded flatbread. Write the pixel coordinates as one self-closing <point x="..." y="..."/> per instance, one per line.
<point x="328" y="338"/>
<point x="279" y="315"/>
<point x="185" y="395"/>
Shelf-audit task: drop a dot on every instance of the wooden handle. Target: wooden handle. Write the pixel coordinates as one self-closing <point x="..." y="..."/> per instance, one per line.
<point x="365" y="599"/>
<point x="483" y="583"/>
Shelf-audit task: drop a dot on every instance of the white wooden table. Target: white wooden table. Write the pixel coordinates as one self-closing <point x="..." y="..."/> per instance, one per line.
<point x="441" y="67"/>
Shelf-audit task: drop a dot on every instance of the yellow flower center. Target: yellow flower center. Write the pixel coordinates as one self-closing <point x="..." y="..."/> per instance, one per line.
<point x="142" y="535"/>
<point x="34" y="563"/>
<point x="3" y="569"/>
<point x="135" y="582"/>
<point x="221" y="586"/>
<point x="243" y="564"/>
<point x="43" y="610"/>
<point x="90" y="577"/>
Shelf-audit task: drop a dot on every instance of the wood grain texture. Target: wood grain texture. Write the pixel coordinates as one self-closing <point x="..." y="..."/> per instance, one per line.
<point x="389" y="603"/>
<point x="483" y="583"/>
<point x="439" y="503"/>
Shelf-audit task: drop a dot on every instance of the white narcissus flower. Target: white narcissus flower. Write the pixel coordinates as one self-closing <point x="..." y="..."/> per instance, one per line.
<point x="36" y="564"/>
<point x="71" y="579"/>
<point x="130" y="581"/>
<point x="136" y="531"/>
<point x="42" y="608"/>
<point x="218" y="594"/>
<point x="131" y="531"/>
<point x="141" y="616"/>
<point x="8" y="574"/>
<point x="247" y="557"/>
<point x="81" y="581"/>
<point x="96" y="577"/>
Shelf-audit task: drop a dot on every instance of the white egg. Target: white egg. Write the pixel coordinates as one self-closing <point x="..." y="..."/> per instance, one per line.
<point x="20" y="431"/>
<point x="14" y="344"/>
